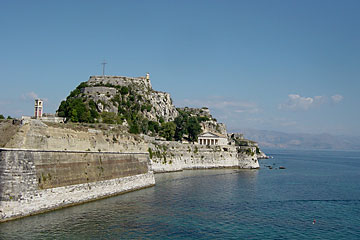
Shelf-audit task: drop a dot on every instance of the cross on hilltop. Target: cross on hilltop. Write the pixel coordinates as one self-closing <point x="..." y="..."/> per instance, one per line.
<point x="103" y="63"/>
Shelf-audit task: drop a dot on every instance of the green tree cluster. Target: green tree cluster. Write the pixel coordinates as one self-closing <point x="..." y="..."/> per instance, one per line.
<point x="186" y="124"/>
<point x="168" y="130"/>
<point x="2" y="116"/>
<point x="75" y="110"/>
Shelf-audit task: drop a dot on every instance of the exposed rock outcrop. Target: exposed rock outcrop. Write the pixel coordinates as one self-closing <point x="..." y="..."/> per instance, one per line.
<point x="106" y="93"/>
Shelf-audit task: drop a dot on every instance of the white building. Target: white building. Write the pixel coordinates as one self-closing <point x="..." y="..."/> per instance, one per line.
<point x="209" y="138"/>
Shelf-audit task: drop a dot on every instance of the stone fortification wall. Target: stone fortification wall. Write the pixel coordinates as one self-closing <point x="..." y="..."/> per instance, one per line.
<point x="37" y="135"/>
<point x="166" y="156"/>
<point x="33" y="181"/>
<point x="120" y="81"/>
<point x="99" y="90"/>
<point x="7" y="131"/>
<point x="173" y="156"/>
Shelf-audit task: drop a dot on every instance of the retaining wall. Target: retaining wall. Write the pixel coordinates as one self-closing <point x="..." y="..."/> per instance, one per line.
<point x="173" y="156"/>
<point x="33" y="181"/>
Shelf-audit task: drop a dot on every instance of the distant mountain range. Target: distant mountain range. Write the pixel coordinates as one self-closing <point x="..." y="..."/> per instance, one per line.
<point x="274" y="139"/>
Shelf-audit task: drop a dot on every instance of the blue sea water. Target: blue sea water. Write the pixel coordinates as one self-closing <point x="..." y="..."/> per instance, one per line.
<point x="221" y="204"/>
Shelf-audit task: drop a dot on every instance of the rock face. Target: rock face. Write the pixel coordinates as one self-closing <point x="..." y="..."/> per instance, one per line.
<point x="213" y="126"/>
<point x="102" y="96"/>
<point x="162" y="106"/>
<point x="103" y="90"/>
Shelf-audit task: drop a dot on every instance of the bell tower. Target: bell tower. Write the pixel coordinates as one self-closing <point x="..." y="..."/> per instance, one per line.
<point x="38" y="108"/>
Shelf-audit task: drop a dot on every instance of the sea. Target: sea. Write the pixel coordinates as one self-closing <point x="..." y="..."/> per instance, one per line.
<point x="316" y="196"/>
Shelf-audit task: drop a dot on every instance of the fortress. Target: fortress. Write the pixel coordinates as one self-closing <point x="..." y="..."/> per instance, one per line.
<point x="48" y="165"/>
<point x="121" y="81"/>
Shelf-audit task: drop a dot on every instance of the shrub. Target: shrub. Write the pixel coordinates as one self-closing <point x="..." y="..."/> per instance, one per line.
<point x="150" y="153"/>
<point x="134" y="128"/>
<point x="82" y="85"/>
<point x="124" y="90"/>
<point x="153" y="126"/>
<point x="110" y="118"/>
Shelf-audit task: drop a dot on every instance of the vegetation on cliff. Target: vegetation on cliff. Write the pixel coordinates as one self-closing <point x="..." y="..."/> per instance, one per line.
<point x="132" y="106"/>
<point x="80" y="107"/>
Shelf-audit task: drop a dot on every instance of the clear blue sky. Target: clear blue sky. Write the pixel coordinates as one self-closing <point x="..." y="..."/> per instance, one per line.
<point x="291" y="66"/>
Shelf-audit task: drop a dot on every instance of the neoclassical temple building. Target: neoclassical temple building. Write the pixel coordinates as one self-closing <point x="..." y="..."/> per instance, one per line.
<point x="210" y="138"/>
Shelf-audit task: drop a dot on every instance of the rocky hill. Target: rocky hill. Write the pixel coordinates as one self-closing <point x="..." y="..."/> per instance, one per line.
<point x="133" y="103"/>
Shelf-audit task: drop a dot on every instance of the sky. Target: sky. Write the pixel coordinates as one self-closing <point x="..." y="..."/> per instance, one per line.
<point x="290" y="66"/>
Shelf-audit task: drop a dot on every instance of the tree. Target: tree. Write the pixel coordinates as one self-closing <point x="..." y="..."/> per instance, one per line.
<point x="134" y="128"/>
<point x="193" y="128"/>
<point x="181" y="128"/>
<point x="187" y="124"/>
<point x="75" y="110"/>
<point x="2" y="116"/>
<point x="168" y="130"/>
<point x="153" y="126"/>
<point x="62" y="110"/>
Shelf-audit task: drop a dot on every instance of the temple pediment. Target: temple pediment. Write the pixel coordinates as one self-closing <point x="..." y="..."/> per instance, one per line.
<point x="211" y="135"/>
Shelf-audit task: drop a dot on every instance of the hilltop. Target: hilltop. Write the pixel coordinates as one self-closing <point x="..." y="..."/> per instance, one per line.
<point x="134" y="104"/>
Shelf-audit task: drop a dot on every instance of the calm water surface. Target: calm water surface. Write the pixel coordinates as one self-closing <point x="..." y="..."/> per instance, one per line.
<point x="216" y="204"/>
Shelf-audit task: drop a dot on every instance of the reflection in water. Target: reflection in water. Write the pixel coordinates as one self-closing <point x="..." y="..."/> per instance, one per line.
<point x="124" y="211"/>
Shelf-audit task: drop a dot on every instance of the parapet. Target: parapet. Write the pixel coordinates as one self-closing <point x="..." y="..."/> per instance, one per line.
<point x="119" y="81"/>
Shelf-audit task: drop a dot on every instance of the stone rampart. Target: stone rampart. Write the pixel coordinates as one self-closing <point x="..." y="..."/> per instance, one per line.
<point x="33" y="181"/>
<point x="173" y="156"/>
<point x="99" y="90"/>
<point x="120" y="81"/>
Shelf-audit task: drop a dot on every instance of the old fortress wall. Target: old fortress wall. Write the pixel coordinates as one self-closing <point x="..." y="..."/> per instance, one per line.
<point x="120" y="81"/>
<point x="33" y="181"/>
<point x="173" y="156"/>
<point x="49" y="166"/>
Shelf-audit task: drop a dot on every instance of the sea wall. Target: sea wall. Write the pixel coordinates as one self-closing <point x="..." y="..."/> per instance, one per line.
<point x="172" y="156"/>
<point x="34" y="181"/>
